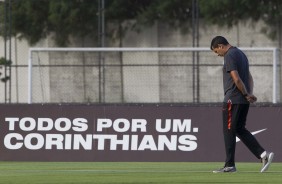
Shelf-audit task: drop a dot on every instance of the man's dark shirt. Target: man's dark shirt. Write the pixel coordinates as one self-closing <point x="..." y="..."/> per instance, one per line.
<point x="235" y="59"/>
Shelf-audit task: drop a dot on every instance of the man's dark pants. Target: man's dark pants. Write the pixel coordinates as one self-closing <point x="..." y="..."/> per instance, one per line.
<point x="234" y="122"/>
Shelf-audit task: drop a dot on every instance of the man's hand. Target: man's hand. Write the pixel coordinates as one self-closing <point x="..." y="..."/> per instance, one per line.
<point x="251" y="98"/>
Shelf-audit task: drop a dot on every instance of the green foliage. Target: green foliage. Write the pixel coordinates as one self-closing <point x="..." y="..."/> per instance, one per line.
<point x="77" y="18"/>
<point x="223" y="12"/>
<point x="35" y="19"/>
<point x="177" y="13"/>
<point x="229" y="13"/>
<point x="4" y="63"/>
<point x="29" y="18"/>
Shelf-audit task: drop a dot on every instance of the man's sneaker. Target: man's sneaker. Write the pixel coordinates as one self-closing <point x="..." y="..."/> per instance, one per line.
<point x="225" y="169"/>
<point x="266" y="161"/>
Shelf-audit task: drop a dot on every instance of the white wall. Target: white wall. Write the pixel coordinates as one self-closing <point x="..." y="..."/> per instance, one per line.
<point x="144" y="84"/>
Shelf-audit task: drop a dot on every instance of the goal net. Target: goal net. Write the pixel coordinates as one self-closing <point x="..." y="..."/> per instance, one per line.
<point x="141" y="75"/>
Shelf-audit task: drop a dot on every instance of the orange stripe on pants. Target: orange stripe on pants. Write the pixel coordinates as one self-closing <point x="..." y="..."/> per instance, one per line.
<point x="229" y="122"/>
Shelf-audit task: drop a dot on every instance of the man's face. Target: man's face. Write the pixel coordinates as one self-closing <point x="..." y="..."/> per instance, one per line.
<point x="219" y="50"/>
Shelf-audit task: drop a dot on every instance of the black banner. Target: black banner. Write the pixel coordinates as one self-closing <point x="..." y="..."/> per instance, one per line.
<point x="128" y="133"/>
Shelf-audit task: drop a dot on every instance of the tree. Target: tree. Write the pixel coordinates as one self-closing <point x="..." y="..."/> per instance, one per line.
<point x="35" y="19"/>
<point x="4" y="63"/>
<point x="229" y="13"/>
<point x="77" y="18"/>
<point x="177" y="13"/>
<point x="29" y="19"/>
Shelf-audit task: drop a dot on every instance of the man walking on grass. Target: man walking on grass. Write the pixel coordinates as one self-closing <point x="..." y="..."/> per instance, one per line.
<point x="238" y="94"/>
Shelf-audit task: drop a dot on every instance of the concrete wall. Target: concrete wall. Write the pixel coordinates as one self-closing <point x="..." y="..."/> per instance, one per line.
<point x="143" y="84"/>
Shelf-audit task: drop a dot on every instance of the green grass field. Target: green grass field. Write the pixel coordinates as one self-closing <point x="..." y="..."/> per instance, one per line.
<point x="134" y="172"/>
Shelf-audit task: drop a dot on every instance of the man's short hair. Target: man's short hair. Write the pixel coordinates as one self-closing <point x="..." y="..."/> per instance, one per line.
<point x="218" y="40"/>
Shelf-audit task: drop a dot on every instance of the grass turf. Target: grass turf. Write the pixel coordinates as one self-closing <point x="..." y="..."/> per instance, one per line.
<point x="133" y="172"/>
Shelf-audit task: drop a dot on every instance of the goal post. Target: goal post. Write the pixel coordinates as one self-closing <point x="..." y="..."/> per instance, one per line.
<point x="275" y="69"/>
<point x="142" y="75"/>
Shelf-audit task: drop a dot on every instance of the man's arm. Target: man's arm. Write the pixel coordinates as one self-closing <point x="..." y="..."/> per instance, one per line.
<point x="251" y="82"/>
<point x="238" y="82"/>
<point x="241" y="86"/>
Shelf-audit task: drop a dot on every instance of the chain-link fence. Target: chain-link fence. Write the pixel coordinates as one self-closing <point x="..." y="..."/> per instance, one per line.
<point x="152" y="75"/>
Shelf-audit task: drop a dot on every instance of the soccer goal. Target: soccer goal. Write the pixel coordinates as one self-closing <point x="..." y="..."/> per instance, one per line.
<point x="141" y="75"/>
